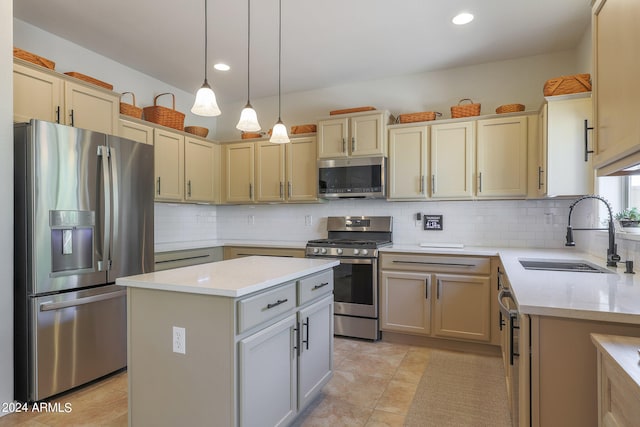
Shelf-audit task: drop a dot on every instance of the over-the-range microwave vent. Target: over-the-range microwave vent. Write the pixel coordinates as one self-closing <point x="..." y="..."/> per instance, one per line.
<point x="352" y="178"/>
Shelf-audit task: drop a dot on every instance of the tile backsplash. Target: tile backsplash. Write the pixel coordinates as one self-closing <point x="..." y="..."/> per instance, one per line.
<point x="504" y="223"/>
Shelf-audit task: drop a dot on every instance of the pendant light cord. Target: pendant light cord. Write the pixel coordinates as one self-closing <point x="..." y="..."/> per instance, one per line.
<point x="205" y="41"/>
<point x="279" y="58"/>
<point x="248" y="51"/>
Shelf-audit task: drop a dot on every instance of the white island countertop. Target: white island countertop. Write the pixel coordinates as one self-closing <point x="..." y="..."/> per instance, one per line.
<point x="611" y="297"/>
<point x="232" y="278"/>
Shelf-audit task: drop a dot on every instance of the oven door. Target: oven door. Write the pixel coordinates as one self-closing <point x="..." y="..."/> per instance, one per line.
<point x="355" y="287"/>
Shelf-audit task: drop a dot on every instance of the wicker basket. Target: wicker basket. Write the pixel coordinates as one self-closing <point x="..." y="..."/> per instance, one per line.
<point x="303" y="129"/>
<point x="424" y="116"/>
<point x="351" y="110"/>
<point x="251" y="135"/>
<point x="509" y="108"/>
<point x="197" y="130"/>
<point x="164" y="116"/>
<point x="89" y="79"/>
<point x="465" y="110"/>
<point x="130" y="109"/>
<point x="567" y="84"/>
<point x="33" y="58"/>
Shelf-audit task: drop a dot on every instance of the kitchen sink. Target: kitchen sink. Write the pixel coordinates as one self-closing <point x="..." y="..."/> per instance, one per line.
<point x="573" y="265"/>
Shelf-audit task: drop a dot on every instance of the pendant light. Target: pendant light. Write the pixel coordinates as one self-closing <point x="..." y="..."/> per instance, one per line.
<point x="279" y="133"/>
<point x="248" y="117"/>
<point x="205" y="104"/>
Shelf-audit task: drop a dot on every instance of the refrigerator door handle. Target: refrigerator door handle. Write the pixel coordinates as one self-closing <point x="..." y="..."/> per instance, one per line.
<point x="103" y="151"/>
<point x="115" y="197"/>
<point x="50" y="306"/>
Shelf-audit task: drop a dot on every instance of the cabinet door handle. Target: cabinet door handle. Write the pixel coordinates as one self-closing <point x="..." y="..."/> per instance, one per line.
<point x="71" y="115"/>
<point x="421" y="184"/>
<point x="438" y="289"/>
<point x="251" y="191"/>
<point x="306" y="342"/>
<point x="586" y="141"/>
<point x="480" y="182"/>
<point x="277" y="303"/>
<point x="540" y="184"/>
<point x="158" y="186"/>
<point x="426" y="286"/>
<point x="321" y="285"/>
<point x="189" y="188"/>
<point x="289" y="188"/>
<point x="344" y="145"/>
<point x="296" y="338"/>
<point x="448" y="264"/>
<point x="353" y="144"/>
<point x="281" y="190"/>
<point x="433" y="183"/>
<point x="58" y="114"/>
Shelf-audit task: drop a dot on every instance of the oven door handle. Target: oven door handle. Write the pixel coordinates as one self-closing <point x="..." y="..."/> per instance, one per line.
<point x="352" y="260"/>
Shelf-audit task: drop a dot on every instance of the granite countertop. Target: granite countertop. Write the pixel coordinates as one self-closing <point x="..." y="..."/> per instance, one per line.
<point x="611" y="297"/>
<point x="231" y="278"/>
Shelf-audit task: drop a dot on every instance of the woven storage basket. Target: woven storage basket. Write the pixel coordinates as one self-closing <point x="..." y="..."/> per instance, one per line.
<point x="33" y="58"/>
<point x="250" y="135"/>
<point x="351" y="110"/>
<point x="423" y="116"/>
<point x="130" y="109"/>
<point x="567" y="84"/>
<point x="197" y="130"/>
<point x="465" y="110"/>
<point x="509" y="108"/>
<point x="89" y="79"/>
<point x="303" y="129"/>
<point x="164" y="116"/>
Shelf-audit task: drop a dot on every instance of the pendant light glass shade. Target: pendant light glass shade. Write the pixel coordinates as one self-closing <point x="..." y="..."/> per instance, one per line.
<point x="205" y="103"/>
<point x="279" y="132"/>
<point x="248" y="118"/>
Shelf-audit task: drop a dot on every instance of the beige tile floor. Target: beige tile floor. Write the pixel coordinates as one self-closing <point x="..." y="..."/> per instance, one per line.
<point x="373" y="385"/>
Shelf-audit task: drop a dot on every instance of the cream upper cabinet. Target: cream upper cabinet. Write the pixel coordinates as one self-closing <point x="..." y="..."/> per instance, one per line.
<point x="270" y="172"/>
<point x="302" y="169"/>
<point x="168" y="149"/>
<point x="200" y="167"/>
<point x="238" y="171"/>
<point x="43" y="94"/>
<point x="615" y="89"/>
<point x="451" y="154"/>
<point x="136" y="131"/>
<point x="564" y="164"/>
<point x="501" y="164"/>
<point x="358" y="134"/>
<point x="408" y="148"/>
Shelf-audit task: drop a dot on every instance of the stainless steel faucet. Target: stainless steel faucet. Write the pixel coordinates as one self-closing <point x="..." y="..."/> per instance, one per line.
<point x="612" y="255"/>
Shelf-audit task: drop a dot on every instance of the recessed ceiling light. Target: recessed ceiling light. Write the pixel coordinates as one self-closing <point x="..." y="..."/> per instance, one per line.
<point x="462" y="18"/>
<point x="222" y="67"/>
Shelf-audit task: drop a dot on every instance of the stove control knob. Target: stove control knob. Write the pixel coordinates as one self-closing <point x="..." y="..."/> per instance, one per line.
<point x="323" y="251"/>
<point x="339" y="251"/>
<point x="315" y="250"/>
<point x="364" y="252"/>
<point x="356" y="251"/>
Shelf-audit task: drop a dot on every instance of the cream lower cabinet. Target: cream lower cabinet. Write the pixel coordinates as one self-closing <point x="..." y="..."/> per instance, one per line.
<point x="438" y="296"/>
<point x="357" y="134"/>
<point x="501" y="157"/>
<point x="452" y="156"/>
<point x="286" y="172"/>
<point x="408" y="163"/>
<point x="39" y="93"/>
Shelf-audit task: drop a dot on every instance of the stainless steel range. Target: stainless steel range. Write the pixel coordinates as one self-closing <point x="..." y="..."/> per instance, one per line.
<point x="354" y="241"/>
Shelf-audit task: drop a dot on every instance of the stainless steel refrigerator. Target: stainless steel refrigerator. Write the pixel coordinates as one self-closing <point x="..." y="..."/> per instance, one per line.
<point x="83" y="217"/>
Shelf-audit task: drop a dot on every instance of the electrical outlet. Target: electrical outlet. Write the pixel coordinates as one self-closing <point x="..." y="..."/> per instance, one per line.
<point x="308" y="220"/>
<point x="251" y="219"/>
<point x="179" y="340"/>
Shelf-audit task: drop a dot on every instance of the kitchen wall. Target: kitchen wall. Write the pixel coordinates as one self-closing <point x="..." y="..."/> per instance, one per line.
<point x="6" y="207"/>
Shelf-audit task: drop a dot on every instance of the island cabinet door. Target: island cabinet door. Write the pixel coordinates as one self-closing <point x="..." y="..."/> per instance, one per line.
<point x="268" y="375"/>
<point x="316" y="349"/>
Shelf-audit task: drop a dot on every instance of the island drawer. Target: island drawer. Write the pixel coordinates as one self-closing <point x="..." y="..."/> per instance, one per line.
<point x="316" y="285"/>
<point x="259" y="308"/>
<point x="436" y="263"/>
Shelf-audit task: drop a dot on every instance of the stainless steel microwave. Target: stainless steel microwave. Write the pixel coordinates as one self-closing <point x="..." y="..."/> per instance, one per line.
<point x="359" y="177"/>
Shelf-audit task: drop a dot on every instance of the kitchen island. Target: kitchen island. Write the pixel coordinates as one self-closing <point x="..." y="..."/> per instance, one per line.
<point x="243" y="342"/>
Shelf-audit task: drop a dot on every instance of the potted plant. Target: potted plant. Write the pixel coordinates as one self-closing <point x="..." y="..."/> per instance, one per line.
<point x="629" y="220"/>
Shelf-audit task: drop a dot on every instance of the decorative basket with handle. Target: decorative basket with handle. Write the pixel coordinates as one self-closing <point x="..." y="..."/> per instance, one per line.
<point x="465" y="110"/>
<point x="130" y="109"/>
<point x="164" y="116"/>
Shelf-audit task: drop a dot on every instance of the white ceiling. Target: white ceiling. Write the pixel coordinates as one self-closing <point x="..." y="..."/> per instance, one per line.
<point x="324" y="42"/>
